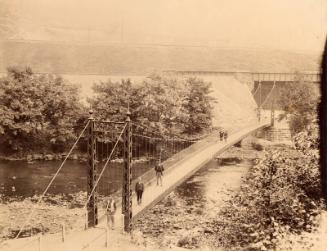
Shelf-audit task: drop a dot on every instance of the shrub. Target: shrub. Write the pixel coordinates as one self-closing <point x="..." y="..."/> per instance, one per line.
<point x="281" y="193"/>
<point x="298" y="100"/>
<point x="257" y="146"/>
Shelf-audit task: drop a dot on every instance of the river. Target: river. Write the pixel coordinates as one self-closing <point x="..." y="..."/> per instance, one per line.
<point x="19" y="180"/>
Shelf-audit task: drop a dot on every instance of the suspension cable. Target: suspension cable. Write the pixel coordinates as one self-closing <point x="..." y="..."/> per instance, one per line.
<point x="268" y="96"/>
<point x="256" y="90"/>
<point x="164" y="138"/>
<point x="50" y="183"/>
<point x="175" y="137"/>
<point x="104" y="167"/>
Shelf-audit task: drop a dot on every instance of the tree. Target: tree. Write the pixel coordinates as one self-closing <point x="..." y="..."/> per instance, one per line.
<point x="162" y="104"/>
<point x="197" y="106"/>
<point x="299" y="100"/>
<point x="37" y="111"/>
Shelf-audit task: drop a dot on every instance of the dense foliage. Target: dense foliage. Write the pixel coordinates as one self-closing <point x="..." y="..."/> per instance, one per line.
<point x="197" y="105"/>
<point x="164" y="105"/>
<point x="43" y="112"/>
<point x="280" y="194"/>
<point x="299" y="101"/>
<point x="37" y="112"/>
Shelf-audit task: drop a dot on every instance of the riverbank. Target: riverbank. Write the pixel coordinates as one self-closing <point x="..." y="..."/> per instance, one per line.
<point x="31" y="158"/>
<point x="48" y="216"/>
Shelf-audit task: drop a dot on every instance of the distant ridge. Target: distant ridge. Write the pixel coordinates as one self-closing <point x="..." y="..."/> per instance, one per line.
<point x="116" y="59"/>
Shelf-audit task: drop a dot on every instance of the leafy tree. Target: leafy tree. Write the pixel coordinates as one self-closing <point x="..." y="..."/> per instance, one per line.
<point x="299" y="100"/>
<point x="37" y="112"/>
<point x="112" y="99"/>
<point x="161" y="105"/>
<point x="164" y="105"/>
<point x="197" y="106"/>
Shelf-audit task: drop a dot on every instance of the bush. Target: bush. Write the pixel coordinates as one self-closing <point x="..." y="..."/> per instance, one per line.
<point x="257" y="146"/>
<point x="280" y="194"/>
<point x="188" y="242"/>
<point x="298" y="100"/>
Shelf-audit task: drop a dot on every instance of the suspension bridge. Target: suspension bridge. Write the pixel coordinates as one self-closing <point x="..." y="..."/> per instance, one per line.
<point x="124" y="143"/>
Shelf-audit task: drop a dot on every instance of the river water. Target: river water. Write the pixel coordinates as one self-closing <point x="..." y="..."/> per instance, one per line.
<point x="18" y="179"/>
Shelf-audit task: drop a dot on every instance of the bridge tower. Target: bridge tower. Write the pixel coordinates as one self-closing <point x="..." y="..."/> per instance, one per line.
<point x="92" y="208"/>
<point x="127" y="176"/>
<point x="272" y="114"/>
<point x="260" y="101"/>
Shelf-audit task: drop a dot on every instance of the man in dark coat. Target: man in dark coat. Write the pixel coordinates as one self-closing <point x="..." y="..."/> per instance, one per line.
<point x="159" y="173"/>
<point x="221" y="135"/>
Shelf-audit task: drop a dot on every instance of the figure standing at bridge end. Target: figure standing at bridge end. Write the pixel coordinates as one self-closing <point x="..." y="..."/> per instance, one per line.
<point x="110" y="211"/>
<point x="139" y="189"/>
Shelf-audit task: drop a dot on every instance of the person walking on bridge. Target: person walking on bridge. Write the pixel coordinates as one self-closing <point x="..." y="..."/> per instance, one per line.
<point x="221" y="135"/>
<point x="110" y="211"/>
<point x="139" y="189"/>
<point x="225" y="135"/>
<point x="159" y="172"/>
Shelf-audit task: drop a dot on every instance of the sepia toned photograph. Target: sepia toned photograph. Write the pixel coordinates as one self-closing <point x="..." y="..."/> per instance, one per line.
<point x="156" y="125"/>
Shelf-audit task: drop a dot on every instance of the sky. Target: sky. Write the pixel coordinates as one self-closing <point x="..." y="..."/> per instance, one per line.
<point x="297" y="25"/>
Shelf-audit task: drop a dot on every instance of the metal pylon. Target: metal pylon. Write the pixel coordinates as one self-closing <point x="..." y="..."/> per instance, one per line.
<point x="127" y="176"/>
<point x="272" y="118"/>
<point x="92" y="208"/>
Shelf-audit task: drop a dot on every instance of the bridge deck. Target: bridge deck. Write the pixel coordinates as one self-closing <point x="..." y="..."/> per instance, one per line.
<point x="186" y="168"/>
<point x="173" y="177"/>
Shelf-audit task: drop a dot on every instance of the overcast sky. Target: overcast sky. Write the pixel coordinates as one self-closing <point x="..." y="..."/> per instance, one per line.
<point x="277" y="24"/>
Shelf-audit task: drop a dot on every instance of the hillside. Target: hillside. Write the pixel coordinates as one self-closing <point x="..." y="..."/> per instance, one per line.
<point x="126" y="59"/>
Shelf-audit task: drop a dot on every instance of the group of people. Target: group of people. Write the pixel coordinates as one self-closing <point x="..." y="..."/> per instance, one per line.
<point x="139" y="189"/>
<point x="223" y="135"/>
